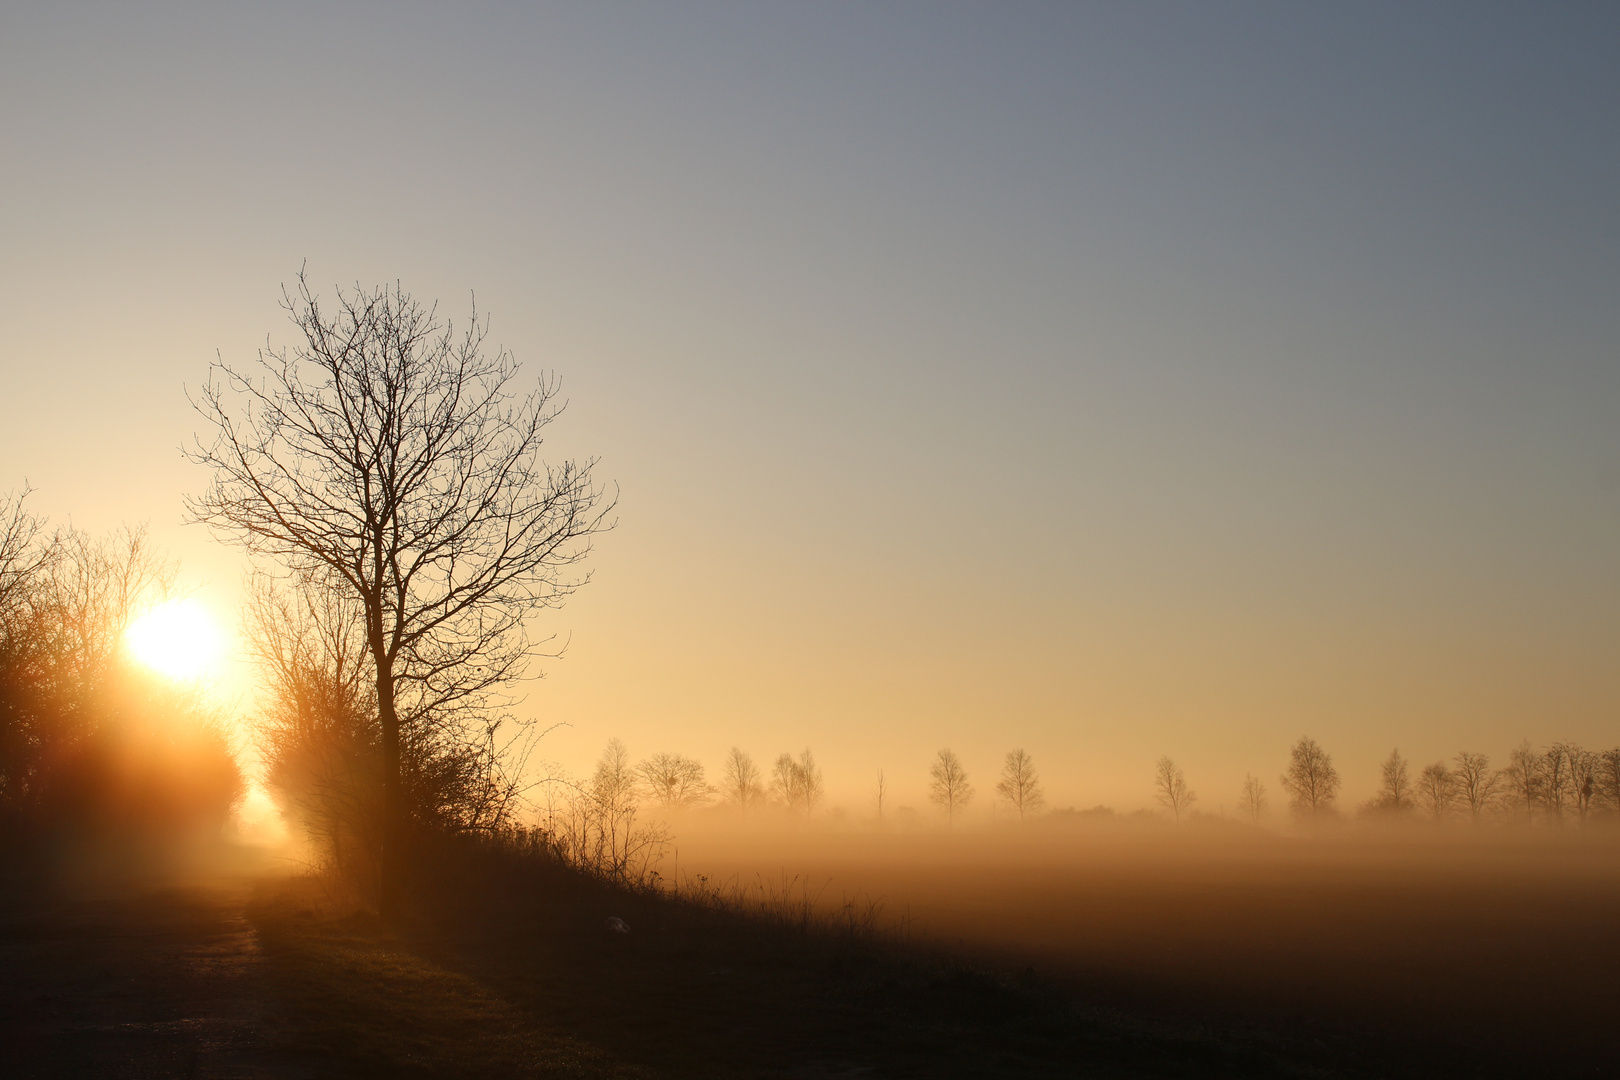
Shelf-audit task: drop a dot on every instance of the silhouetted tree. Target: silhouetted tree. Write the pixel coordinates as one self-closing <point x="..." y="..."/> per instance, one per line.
<point x="387" y="457"/>
<point x="614" y="781"/>
<point x="1477" y="783"/>
<point x="1524" y="781"/>
<point x="1608" y="780"/>
<point x="1020" y="785"/>
<point x="1173" y="790"/>
<point x="674" y="782"/>
<point x="26" y="553"/>
<point x="741" y="785"/>
<point x="1556" y="784"/>
<point x="1394" y="788"/>
<point x="593" y="825"/>
<point x="1253" y="799"/>
<point x="317" y="733"/>
<point x="1437" y="789"/>
<point x="949" y="787"/>
<point x="797" y="781"/>
<point x="1311" y="781"/>
<point x="1571" y="776"/>
<point x="881" y="793"/>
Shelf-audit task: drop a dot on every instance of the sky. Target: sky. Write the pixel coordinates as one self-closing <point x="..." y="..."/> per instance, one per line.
<point x="1110" y="380"/>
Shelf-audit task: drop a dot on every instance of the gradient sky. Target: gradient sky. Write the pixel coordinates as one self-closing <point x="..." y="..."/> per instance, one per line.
<point x="1111" y="380"/>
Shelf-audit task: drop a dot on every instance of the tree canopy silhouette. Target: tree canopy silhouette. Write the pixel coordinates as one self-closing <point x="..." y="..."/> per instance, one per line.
<point x="391" y="458"/>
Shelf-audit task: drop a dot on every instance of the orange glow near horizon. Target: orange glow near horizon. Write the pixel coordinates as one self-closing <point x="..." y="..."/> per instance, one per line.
<point x="179" y="638"/>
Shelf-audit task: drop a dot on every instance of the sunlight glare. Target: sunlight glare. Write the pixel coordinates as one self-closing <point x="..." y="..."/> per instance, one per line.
<point x="179" y="638"/>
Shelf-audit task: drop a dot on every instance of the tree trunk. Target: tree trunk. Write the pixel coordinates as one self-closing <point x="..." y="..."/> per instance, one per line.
<point x="392" y="857"/>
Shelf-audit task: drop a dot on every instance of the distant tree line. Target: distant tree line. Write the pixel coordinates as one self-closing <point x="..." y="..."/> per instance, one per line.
<point x="1555" y="784"/>
<point x="1559" y="783"/>
<point x="91" y="742"/>
<point x="589" y="816"/>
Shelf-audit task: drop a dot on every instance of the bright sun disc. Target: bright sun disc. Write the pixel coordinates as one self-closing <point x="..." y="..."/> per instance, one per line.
<point x="178" y="638"/>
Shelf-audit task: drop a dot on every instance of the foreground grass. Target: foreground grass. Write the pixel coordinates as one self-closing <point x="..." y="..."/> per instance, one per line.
<point x="511" y="972"/>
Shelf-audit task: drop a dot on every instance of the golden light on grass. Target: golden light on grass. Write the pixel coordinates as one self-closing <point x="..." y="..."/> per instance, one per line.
<point x="179" y="639"/>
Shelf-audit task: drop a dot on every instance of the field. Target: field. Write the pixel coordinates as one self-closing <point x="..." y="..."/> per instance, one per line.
<point x="1107" y="953"/>
<point x="1485" y="953"/>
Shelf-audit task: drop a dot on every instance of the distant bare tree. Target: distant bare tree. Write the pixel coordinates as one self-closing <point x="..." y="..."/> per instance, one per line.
<point x="614" y="781"/>
<point x="1253" y="800"/>
<point x="1020" y="785"/>
<point x="949" y="787"/>
<point x="741" y="785"/>
<point x="1557" y="787"/>
<point x="593" y="825"/>
<point x="1437" y="789"/>
<point x="1608" y="780"/>
<point x="797" y="781"/>
<point x="1524" y="780"/>
<point x="1173" y="790"/>
<point x="1477" y="784"/>
<point x="882" y="793"/>
<point x="390" y="456"/>
<point x="1311" y="781"/>
<point x="1395" y="789"/>
<point x="674" y="782"/>
<point x="1570" y="775"/>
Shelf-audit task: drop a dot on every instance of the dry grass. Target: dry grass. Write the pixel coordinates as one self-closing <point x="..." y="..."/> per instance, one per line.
<point x="509" y="968"/>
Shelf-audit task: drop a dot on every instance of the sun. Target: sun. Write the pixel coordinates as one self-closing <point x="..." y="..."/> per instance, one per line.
<point x="178" y="638"/>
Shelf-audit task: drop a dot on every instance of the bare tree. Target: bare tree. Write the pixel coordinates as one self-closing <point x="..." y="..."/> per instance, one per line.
<point x="882" y="792"/>
<point x="23" y="557"/>
<point x="614" y="781"/>
<point x="1253" y="800"/>
<point x="1584" y="766"/>
<point x="1174" y="794"/>
<point x="949" y="787"/>
<point x="1557" y="780"/>
<point x="1437" y="789"/>
<point x="388" y="457"/>
<point x="741" y="785"/>
<point x="593" y="825"/>
<point x="1311" y="781"/>
<point x="1020" y="785"/>
<point x="674" y="782"/>
<point x="1524" y="780"/>
<point x="797" y="781"/>
<point x="1477" y="783"/>
<point x="1569" y="774"/>
<point x="1608" y="780"/>
<point x="317" y="735"/>
<point x="1395" y="787"/>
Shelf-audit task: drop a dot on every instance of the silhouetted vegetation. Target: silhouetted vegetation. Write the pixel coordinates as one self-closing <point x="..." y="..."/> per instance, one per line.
<point x="1174" y="794"/>
<point x="91" y="743"/>
<point x="797" y="782"/>
<point x="1020" y="784"/>
<point x="1311" y="780"/>
<point x="385" y="460"/>
<point x="948" y="784"/>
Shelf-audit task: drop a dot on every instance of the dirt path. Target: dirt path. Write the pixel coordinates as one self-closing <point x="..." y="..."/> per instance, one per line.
<point x="134" y="981"/>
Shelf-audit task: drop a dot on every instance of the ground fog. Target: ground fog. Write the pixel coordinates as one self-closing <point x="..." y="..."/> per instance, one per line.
<point x="1453" y="942"/>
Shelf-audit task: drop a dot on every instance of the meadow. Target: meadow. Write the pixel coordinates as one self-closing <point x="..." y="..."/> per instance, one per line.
<point x="1450" y="947"/>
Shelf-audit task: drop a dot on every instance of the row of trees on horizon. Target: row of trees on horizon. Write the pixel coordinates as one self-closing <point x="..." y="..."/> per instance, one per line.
<point x="1559" y="783"/>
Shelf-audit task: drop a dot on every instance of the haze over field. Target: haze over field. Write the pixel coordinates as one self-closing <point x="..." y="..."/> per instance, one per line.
<point x="1108" y="380"/>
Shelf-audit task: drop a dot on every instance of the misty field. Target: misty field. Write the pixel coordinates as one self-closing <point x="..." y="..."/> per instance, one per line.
<point x="1484" y="953"/>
